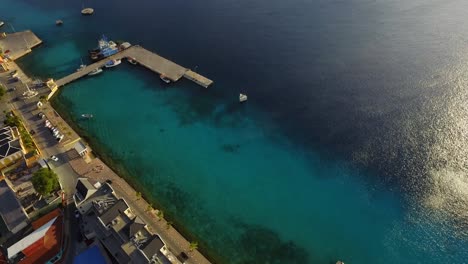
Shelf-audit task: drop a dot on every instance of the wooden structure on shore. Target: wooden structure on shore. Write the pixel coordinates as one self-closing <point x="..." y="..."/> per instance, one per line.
<point x="149" y="60"/>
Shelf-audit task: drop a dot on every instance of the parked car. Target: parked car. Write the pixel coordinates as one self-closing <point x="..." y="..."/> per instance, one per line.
<point x="41" y="115"/>
<point x="13" y="80"/>
<point x="12" y="89"/>
<point x="54" y="158"/>
<point x="77" y="214"/>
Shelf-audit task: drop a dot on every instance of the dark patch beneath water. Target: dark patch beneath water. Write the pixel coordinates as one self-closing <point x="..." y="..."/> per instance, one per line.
<point x="262" y="245"/>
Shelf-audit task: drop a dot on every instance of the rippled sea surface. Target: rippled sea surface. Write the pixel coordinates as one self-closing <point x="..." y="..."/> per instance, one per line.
<point x="352" y="145"/>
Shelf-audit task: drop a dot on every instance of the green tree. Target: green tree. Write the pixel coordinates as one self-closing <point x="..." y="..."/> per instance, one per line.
<point x="45" y="181"/>
<point x="160" y="215"/>
<point x="168" y="224"/>
<point x="193" y="246"/>
<point x="12" y="120"/>
<point x="138" y="195"/>
<point x="2" y="91"/>
<point x="149" y="207"/>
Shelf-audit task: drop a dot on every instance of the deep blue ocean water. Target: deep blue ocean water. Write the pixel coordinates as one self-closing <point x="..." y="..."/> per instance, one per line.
<point x="352" y="145"/>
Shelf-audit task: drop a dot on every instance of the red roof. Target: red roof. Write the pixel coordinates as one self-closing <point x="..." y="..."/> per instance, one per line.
<point x="47" y="247"/>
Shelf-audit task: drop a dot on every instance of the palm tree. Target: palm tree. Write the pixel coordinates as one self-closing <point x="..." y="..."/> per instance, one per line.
<point x="160" y="215"/>
<point x="193" y="246"/>
<point x="149" y="208"/>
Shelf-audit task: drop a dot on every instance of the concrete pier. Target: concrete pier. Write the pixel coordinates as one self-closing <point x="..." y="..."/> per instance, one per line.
<point x="19" y="44"/>
<point x="149" y="60"/>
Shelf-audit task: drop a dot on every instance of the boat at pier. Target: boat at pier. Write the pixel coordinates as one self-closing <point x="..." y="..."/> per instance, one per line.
<point x="132" y="60"/>
<point x="164" y="78"/>
<point x="2" y="23"/>
<point x="82" y="66"/>
<point x="112" y="63"/>
<point x="95" y="71"/>
<point x="105" y="49"/>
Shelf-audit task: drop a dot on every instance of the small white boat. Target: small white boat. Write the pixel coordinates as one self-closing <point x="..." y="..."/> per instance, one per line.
<point x="2" y="23"/>
<point x="82" y="66"/>
<point x="164" y="78"/>
<point x="87" y="11"/>
<point x="87" y="116"/>
<point x="132" y="60"/>
<point x="242" y="98"/>
<point x="112" y="63"/>
<point x="95" y="71"/>
<point x="58" y="22"/>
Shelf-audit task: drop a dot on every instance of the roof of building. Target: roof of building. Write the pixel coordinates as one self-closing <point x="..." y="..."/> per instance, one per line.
<point x="91" y="255"/>
<point x="115" y="210"/>
<point x="80" y="147"/>
<point x="49" y="246"/>
<point x="11" y="211"/>
<point x="84" y="188"/>
<point x="152" y="246"/>
<point x="9" y="144"/>
<point x="29" y="239"/>
<point x="134" y="226"/>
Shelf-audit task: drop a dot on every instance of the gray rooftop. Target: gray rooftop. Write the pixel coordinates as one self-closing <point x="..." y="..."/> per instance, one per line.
<point x="84" y="188"/>
<point x="11" y="211"/>
<point x="115" y="210"/>
<point x="152" y="246"/>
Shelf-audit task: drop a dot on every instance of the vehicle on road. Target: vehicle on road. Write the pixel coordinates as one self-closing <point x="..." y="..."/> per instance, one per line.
<point x="13" y="80"/>
<point x="54" y="158"/>
<point x="77" y="214"/>
<point x="12" y="89"/>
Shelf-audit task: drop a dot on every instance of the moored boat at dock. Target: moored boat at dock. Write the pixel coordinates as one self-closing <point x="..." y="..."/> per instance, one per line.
<point x="95" y="71"/>
<point x="112" y="63"/>
<point x="105" y="49"/>
<point x="82" y="66"/>
<point x="132" y="60"/>
<point x="2" y="23"/>
<point x="164" y="78"/>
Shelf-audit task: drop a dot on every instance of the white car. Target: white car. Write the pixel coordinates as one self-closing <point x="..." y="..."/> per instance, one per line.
<point x="54" y="158"/>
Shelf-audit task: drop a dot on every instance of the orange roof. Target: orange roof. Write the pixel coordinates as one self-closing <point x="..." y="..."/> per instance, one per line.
<point x="49" y="246"/>
<point x="46" y="218"/>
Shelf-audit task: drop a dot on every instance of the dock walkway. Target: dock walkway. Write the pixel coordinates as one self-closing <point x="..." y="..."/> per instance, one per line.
<point x="149" y="60"/>
<point x="18" y="44"/>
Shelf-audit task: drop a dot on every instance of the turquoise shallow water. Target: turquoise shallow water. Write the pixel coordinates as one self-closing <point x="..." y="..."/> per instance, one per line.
<point x="349" y="163"/>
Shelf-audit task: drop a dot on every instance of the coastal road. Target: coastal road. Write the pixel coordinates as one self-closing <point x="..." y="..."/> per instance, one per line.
<point x="47" y="145"/>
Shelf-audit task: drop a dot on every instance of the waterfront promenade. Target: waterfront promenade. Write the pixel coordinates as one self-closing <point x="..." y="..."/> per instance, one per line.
<point x="149" y="60"/>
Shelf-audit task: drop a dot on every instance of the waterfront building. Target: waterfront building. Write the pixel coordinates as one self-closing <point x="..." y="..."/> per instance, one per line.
<point x="12" y="213"/>
<point x="11" y="148"/>
<point x="42" y="244"/>
<point x="120" y="231"/>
